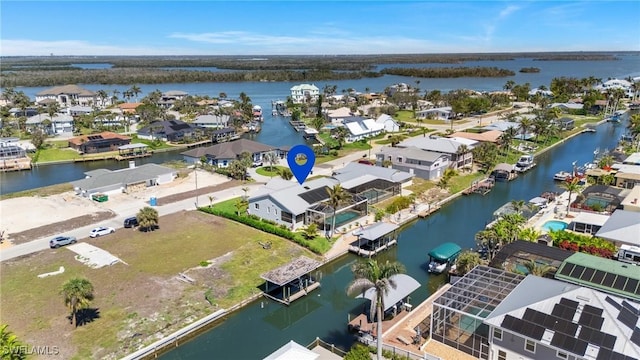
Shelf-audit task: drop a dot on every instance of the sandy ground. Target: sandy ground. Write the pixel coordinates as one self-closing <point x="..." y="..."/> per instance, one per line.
<point x="26" y="213"/>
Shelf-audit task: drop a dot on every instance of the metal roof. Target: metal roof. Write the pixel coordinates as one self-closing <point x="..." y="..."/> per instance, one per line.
<point x="404" y="286"/>
<point x="133" y="146"/>
<point x="102" y="178"/>
<point x="292" y="351"/>
<point x="355" y="170"/>
<point x="622" y="226"/>
<point x="376" y="231"/>
<point x="291" y="271"/>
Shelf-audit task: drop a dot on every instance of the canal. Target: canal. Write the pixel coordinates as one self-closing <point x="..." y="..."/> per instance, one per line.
<point x="263" y="326"/>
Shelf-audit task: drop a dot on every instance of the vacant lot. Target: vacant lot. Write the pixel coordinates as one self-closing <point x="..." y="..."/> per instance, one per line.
<point x="140" y="301"/>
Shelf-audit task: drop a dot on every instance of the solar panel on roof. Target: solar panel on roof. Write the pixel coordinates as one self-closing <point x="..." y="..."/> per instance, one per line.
<point x="569" y="303"/>
<point x="620" y="282"/>
<point x="315" y="195"/>
<point x="598" y="277"/>
<point x="569" y="343"/>
<point x="592" y="310"/>
<point x="563" y="312"/>
<point x="630" y="307"/>
<point x="635" y="337"/>
<point x="597" y="337"/>
<point x="627" y="317"/>
<point x="609" y="278"/>
<point x="566" y="270"/>
<point x="577" y="271"/>
<point x="587" y="274"/>
<point x="612" y="302"/>
<point x="632" y="286"/>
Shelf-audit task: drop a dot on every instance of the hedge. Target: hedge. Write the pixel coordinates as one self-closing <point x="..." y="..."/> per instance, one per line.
<point x="319" y="245"/>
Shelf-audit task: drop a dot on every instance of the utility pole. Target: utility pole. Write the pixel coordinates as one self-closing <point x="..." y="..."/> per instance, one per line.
<point x="196" y="174"/>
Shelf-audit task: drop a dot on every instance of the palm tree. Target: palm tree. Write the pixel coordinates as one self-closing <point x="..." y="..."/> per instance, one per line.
<point x="271" y="158"/>
<point x="371" y="274"/>
<point x="337" y="196"/>
<point x="12" y="348"/>
<point x="135" y="91"/>
<point x="147" y="218"/>
<point x="461" y="151"/>
<point x="518" y="206"/>
<point x="571" y="186"/>
<point x="466" y="261"/>
<point x="341" y="135"/>
<point x="78" y="294"/>
<point x="537" y="269"/>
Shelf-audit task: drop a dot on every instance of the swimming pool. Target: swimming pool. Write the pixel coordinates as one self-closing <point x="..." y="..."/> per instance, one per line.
<point x="554" y="225"/>
<point x="602" y="202"/>
<point x="344" y="217"/>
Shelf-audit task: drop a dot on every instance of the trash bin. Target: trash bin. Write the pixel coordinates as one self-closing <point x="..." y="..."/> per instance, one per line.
<point x="153" y="201"/>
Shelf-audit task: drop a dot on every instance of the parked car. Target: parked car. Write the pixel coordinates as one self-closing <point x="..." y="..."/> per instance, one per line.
<point x="102" y="230"/>
<point x="58" y="241"/>
<point x="131" y="222"/>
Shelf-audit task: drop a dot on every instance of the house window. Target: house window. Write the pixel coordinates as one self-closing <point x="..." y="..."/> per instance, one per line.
<point x="257" y="206"/>
<point x="502" y="355"/>
<point x="561" y="355"/>
<point x="286" y="216"/>
<point x="399" y="159"/>
<point x="530" y="346"/>
<point x="268" y="210"/>
<point x="497" y="334"/>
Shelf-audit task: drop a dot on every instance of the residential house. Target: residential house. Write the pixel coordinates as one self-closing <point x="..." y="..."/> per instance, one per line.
<point x="440" y="113"/>
<point x="396" y="88"/>
<point x="129" y="108"/>
<point x="28" y="112"/>
<point x="566" y="106"/>
<point x="78" y="110"/>
<point x="226" y="134"/>
<point x="376" y="183"/>
<point x="170" y="97"/>
<point x="491" y="136"/>
<point x="458" y="149"/>
<point x="427" y="165"/>
<point x="390" y="124"/>
<point x="69" y="95"/>
<point x="221" y="155"/>
<point x="337" y="116"/>
<point x="293" y="350"/>
<point x="127" y="180"/>
<point x="624" y="85"/>
<point x="565" y="123"/>
<point x="167" y="130"/>
<point x="622" y="227"/>
<point x="627" y="176"/>
<point x="58" y="124"/>
<point x="502" y="126"/>
<point x="549" y="319"/>
<point x="97" y="143"/>
<point x="304" y="93"/>
<point x="536" y="91"/>
<point x="212" y="121"/>
<point x="361" y="128"/>
<point x="631" y="202"/>
<point x="632" y="159"/>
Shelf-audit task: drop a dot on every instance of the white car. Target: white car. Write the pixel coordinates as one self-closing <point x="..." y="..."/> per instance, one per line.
<point x="102" y="230"/>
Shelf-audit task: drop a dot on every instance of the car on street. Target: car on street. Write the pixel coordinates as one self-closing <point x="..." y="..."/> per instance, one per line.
<point x="102" y="230"/>
<point x="131" y="222"/>
<point x="61" y="240"/>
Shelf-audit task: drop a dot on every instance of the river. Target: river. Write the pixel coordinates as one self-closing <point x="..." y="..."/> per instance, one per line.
<point x="276" y="131"/>
<point x="263" y="326"/>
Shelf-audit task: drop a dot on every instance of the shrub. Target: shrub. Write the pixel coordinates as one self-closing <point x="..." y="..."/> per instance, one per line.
<point x="204" y="263"/>
<point x="399" y="203"/>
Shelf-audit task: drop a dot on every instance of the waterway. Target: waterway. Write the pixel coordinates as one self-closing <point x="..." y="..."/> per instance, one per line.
<point x="263" y="326"/>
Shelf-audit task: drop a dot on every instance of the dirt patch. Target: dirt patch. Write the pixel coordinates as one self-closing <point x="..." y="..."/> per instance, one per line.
<point x="192" y="194"/>
<point x="213" y="277"/>
<point x="59" y="227"/>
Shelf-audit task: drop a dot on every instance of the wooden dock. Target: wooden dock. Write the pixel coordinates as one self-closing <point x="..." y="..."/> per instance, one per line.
<point x="295" y="296"/>
<point x="129" y="157"/>
<point x="482" y="187"/>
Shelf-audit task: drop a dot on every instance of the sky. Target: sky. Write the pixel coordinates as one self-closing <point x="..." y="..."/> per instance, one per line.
<point x="314" y="27"/>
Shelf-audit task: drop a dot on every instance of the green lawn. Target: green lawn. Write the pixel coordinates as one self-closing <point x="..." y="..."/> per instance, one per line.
<point x="155" y="145"/>
<point x="56" y="154"/>
<point x="269" y="170"/>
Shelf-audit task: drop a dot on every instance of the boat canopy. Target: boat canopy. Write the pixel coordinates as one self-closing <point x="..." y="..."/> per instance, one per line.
<point x="445" y="251"/>
<point x="405" y="285"/>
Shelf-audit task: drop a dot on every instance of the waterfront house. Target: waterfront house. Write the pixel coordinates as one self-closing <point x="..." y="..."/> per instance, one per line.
<point x="502" y="126"/>
<point x="69" y="95"/>
<point x="212" y="121"/>
<point x="97" y="143"/>
<point x="58" y="124"/>
<point x="566" y="107"/>
<point x="169" y="98"/>
<point x="611" y="84"/>
<point x="226" y="134"/>
<point x="13" y="157"/>
<point x="627" y="176"/>
<point x="221" y="155"/>
<point x="565" y="123"/>
<point x="491" y="136"/>
<point x="167" y="130"/>
<point x="537" y="91"/>
<point x="390" y="124"/>
<point x="424" y="164"/>
<point x="78" y="110"/>
<point x="129" y="108"/>
<point x="458" y="149"/>
<point x="304" y="93"/>
<point x="127" y="180"/>
<point x="440" y="113"/>
<point x="376" y="183"/>
<point x="632" y="159"/>
<point x="316" y="351"/>
<point x="360" y="128"/>
<point x="622" y="227"/>
<point x="631" y="202"/>
<point x="337" y="116"/>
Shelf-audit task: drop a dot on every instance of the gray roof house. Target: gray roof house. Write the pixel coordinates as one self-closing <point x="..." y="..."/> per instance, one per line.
<point x="167" y="130"/>
<point x="223" y="154"/>
<point x="424" y="164"/>
<point x="623" y="227"/>
<point x="212" y="121"/>
<point x="441" y="113"/>
<point x="549" y="319"/>
<point x="449" y="146"/>
<point x="67" y="95"/>
<point x="123" y="180"/>
<point x="60" y="123"/>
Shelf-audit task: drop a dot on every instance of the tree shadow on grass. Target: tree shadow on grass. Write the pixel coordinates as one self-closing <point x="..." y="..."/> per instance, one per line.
<point x="86" y="316"/>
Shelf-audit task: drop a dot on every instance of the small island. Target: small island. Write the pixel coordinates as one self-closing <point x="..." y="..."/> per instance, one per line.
<point x="449" y="72"/>
<point x="530" y="70"/>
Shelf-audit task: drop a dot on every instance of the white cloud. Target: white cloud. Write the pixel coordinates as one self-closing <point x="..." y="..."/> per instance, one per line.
<point x="20" y="47"/>
<point x="508" y="11"/>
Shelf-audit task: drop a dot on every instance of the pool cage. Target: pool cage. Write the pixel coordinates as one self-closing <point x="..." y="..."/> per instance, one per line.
<point x="322" y="213"/>
<point x="376" y="190"/>
<point x="458" y="314"/>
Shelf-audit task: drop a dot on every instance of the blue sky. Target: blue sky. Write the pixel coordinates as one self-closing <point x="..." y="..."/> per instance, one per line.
<point x="314" y="27"/>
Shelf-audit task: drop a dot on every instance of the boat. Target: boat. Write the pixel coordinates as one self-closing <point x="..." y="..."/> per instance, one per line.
<point x="257" y="113"/>
<point x="562" y="176"/>
<point x="443" y="257"/>
<point x="524" y="163"/>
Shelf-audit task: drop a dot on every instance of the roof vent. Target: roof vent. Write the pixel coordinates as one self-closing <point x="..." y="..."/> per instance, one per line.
<point x="585" y="299"/>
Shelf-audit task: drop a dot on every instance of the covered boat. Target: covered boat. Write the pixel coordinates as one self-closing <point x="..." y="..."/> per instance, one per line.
<point x="443" y="256"/>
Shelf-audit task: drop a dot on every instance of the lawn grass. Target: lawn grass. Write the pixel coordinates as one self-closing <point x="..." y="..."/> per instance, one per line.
<point x="270" y="170"/>
<point x="420" y="185"/>
<point x="461" y="182"/>
<point x="41" y="191"/>
<point x="142" y="295"/>
<point x="57" y="154"/>
<point x="155" y="145"/>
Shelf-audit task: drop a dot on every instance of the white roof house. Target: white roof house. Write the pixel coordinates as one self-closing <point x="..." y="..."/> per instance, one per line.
<point x="60" y="123"/>
<point x="292" y="351"/>
<point x="362" y="128"/>
<point x="535" y="91"/>
<point x="440" y="113"/>
<point x="623" y="227"/>
<point x="390" y="124"/>
<point x="304" y="92"/>
<point x="338" y="115"/>
<point x="567" y="106"/>
<point x="212" y="121"/>
<point x="66" y="95"/>
<point x="440" y="145"/>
